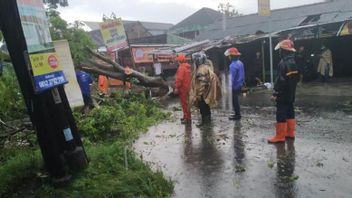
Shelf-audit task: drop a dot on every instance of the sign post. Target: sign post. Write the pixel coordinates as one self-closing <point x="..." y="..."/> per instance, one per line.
<point x="72" y="89"/>
<point x="264" y="8"/>
<point x="44" y="62"/>
<point x="271" y="59"/>
<point x="114" y="34"/>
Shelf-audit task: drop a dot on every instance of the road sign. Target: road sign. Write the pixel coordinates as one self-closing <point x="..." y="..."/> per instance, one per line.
<point x="45" y="63"/>
<point x="264" y="8"/>
<point x="114" y="34"/>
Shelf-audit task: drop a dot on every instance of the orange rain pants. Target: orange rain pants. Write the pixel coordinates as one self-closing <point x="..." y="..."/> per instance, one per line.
<point x="183" y="84"/>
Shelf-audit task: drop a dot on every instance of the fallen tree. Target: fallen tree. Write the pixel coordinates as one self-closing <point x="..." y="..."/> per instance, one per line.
<point x="157" y="85"/>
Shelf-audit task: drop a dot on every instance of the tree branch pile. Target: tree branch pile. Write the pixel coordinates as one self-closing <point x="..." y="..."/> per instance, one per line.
<point x="108" y="67"/>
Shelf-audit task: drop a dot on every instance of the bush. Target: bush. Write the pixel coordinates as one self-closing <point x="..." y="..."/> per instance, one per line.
<point x="11" y="99"/>
<point x="101" y="123"/>
<point x="119" y="117"/>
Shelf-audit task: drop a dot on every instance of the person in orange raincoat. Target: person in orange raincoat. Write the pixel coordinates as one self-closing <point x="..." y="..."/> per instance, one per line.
<point x="182" y="86"/>
<point x="103" y="84"/>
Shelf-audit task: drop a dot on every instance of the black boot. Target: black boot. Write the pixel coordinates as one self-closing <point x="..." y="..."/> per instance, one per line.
<point x="235" y="117"/>
<point x="205" y="121"/>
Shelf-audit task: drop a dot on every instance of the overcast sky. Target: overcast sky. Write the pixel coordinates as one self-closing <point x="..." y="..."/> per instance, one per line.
<point x="169" y="11"/>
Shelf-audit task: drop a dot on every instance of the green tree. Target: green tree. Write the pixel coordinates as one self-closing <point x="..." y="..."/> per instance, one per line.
<point x="78" y="39"/>
<point x="57" y="26"/>
<point x="228" y="10"/>
<point x="59" y="29"/>
<point x="11" y="100"/>
<point x="55" y="3"/>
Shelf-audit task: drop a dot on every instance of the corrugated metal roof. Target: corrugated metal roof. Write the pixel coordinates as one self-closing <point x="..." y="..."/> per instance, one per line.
<point x="330" y="12"/>
<point x="92" y="25"/>
<point x="199" y="19"/>
<point x="157" y="26"/>
<point x="157" y="32"/>
<point x="153" y="28"/>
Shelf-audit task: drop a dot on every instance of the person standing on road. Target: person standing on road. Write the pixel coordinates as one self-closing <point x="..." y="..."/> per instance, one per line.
<point x="285" y="92"/>
<point x="258" y="69"/>
<point x="325" y="67"/>
<point x="208" y="61"/>
<point x="237" y="80"/>
<point x="205" y="88"/>
<point x="301" y="61"/>
<point x="182" y="86"/>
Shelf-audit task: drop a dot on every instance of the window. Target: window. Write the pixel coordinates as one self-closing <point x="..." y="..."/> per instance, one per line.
<point x="310" y="19"/>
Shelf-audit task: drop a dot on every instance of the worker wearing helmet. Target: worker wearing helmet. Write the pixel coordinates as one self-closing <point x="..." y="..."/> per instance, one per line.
<point x="208" y="61"/>
<point x="284" y="92"/>
<point x="237" y="80"/>
<point x="182" y="86"/>
<point x="205" y="89"/>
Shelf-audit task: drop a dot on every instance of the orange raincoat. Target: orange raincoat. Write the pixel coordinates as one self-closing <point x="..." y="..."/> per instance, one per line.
<point x="183" y="84"/>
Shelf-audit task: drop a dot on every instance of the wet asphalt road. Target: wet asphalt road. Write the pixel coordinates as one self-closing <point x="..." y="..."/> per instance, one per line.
<point x="233" y="159"/>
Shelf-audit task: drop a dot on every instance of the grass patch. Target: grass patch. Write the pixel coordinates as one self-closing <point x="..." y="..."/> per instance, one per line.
<point x="16" y="165"/>
<point x="106" y="176"/>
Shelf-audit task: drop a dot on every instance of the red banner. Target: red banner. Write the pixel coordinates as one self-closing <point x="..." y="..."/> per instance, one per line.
<point x="142" y="55"/>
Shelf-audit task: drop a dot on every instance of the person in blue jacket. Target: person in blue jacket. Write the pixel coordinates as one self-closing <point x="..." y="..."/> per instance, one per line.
<point x="84" y="81"/>
<point x="237" y="80"/>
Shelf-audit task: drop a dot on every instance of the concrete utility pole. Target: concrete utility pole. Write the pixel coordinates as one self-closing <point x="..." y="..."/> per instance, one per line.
<point x="271" y="55"/>
<point x="265" y="11"/>
<point x="49" y="111"/>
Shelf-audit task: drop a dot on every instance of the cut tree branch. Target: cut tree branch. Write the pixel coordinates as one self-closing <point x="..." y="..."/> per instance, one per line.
<point x="6" y="135"/>
<point x="105" y="67"/>
<point x="144" y="80"/>
<point x="94" y="70"/>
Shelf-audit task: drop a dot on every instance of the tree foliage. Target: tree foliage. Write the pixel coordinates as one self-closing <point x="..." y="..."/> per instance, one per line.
<point x="11" y="100"/>
<point x="78" y="39"/>
<point x="120" y="116"/>
<point x="55" y="3"/>
<point x="228" y="10"/>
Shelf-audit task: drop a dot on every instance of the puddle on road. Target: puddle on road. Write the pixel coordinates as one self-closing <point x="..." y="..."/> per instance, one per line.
<point x="232" y="159"/>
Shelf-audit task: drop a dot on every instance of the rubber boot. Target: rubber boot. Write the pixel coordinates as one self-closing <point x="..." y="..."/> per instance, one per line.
<point x="186" y="121"/>
<point x="291" y="127"/>
<point x="281" y="129"/>
<point x="235" y="117"/>
<point x="205" y="120"/>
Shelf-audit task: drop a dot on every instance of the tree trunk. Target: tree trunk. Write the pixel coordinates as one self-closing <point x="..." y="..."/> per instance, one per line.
<point x="159" y="85"/>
